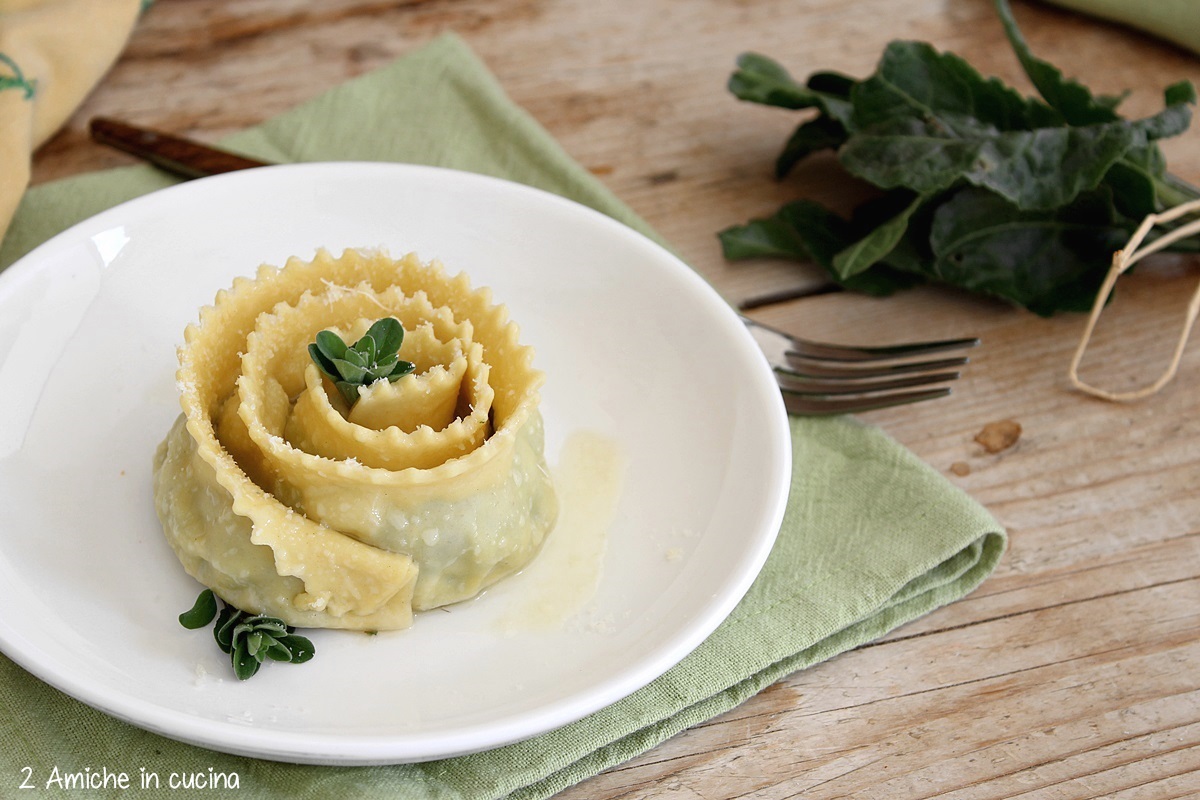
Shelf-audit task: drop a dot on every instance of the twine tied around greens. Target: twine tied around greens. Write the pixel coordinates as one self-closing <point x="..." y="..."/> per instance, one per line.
<point x="1123" y="260"/>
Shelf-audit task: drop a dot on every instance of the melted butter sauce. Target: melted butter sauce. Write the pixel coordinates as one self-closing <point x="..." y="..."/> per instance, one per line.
<point x="564" y="576"/>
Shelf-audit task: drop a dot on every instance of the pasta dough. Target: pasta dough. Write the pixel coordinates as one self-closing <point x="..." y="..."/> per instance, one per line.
<point x="286" y="501"/>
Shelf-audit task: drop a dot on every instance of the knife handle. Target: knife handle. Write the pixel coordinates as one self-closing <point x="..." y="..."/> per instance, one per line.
<point x="174" y="154"/>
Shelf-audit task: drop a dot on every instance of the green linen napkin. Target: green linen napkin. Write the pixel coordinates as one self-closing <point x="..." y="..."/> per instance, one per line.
<point x="1176" y="21"/>
<point x="872" y="536"/>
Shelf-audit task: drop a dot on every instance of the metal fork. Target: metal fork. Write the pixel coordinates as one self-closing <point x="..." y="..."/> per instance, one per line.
<point x="819" y="379"/>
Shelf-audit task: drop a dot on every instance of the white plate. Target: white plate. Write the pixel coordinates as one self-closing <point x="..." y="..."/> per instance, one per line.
<point x="636" y="348"/>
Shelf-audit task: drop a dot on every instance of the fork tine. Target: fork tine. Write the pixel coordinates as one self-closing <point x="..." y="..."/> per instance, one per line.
<point x="800" y="367"/>
<point x="817" y="378"/>
<point x="816" y="407"/>
<point x="791" y="384"/>
<point x="836" y="352"/>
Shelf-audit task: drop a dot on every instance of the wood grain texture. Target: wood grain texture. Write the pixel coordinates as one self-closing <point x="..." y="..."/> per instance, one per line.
<point x="1074" y="672"/>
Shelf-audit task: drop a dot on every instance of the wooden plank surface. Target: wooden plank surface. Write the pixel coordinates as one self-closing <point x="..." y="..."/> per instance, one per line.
<point x="1074" y="672"/>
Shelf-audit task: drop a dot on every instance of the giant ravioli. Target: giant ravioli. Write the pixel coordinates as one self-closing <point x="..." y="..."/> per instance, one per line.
<point x="285" y="501"/>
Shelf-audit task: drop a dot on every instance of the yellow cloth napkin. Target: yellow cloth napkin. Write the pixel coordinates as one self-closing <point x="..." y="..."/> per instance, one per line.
<point x="52" y="54"/>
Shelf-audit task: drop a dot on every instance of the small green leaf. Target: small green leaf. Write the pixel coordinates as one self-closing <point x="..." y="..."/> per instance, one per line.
<point x="278" y="652"/>
<point x="1181" y="92"/>
<point x="348" y="390"/>
<point x="351" y="371"/>
<point x="322" y="361"/>
<point x="832" y="84"/>
<point x="228" y="620"/>
<point x="366" y="347"/>
<point x="245" y="665"/>
<point x="301" y="648"/>
<point x="401" y="369"/>
<point x="388" y="335"/>
<point x="353" y="357"/>
<point x="272" y="625"/>
<point x="251" y="639"/>
<point x="331" y="345"/>
<point x="373" y="357"/>
<point x="760" y="79"/>
<point x="202" y="612"/>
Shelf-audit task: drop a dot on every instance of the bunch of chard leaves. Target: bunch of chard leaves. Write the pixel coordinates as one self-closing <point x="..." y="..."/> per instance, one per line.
<point x="980" y="187"/>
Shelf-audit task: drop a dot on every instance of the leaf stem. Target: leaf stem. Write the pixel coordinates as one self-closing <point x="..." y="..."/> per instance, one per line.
<point x="1174" y="191"/>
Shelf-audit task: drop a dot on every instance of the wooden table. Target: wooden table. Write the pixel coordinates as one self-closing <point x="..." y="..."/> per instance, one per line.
<point x="1075" y="670"/>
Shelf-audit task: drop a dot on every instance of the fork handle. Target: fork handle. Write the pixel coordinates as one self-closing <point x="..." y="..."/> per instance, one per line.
<point x="171" y="153"/>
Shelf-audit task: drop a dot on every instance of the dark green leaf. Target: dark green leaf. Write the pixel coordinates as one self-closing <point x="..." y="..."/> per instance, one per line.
<point x="1040" y="169"/>
<point x="822" y="133"/>
<point x="823" y="233"/>
<point x="1071" y="99"/>
<point x="831" y="84"/>
<point x="875" y="245"/>
<point x="1182" y="92"/>
<point x="881" y="280"/>
<point x="1111" y="101"/>
<point x="1036" y="259"/>
<point x="1133" y="189"/>
<point x="202" y="612"/>
<point x="251" y="639"/>
<point x="1005" y="195"/>
<point x="915" y="81"/>
<point x="759" y="79"/>
<point x="763" y="238"/>
<point x="1171" y="121"/>
<point x="806" y="231"/>
<point x="833" y="91"/>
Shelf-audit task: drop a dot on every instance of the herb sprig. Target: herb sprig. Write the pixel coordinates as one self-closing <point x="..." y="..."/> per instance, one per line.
<point x="248" y="639"/>
<point x="980" y="187"/>
<point x="372" y="358"/>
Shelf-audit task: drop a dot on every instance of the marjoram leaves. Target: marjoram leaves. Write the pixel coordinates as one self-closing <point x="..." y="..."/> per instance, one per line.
<point x="981" y="188"/>
<point x="372" y="358"/>
<point x="248" y="639"/>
